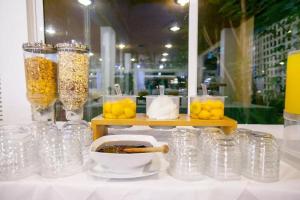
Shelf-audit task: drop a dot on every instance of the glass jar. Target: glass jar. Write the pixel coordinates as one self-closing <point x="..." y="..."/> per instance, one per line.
<point x="119" y="107"/>
<point x="162" y="107"/>
<point x="291" y="145"/>
<point x="40" y="70"/>
<point x="73" y="69"/>
<point x="207" y="107"/>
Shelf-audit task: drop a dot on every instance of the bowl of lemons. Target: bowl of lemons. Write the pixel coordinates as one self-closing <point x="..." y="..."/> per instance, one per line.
<point x="119" y="107"/>
<point x="207" y="107"/>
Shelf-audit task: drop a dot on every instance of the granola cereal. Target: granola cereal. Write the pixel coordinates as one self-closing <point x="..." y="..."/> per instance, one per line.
<point x="73" y="70"/>
<point x="41" y="81"/>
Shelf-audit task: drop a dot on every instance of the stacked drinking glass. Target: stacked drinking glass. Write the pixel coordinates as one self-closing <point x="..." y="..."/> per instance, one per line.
<point x="82" y="132"/>
<point x="223" y="158"/>
<point x="185" y="157"/>
<point x="17" y="152"/>
<point x="59" y="152"/>
<point x="262" y="158"/>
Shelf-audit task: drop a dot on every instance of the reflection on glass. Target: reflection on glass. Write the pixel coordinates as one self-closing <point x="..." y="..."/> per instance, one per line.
<point x="243" y="47"/>
<point x="137" y="44"/>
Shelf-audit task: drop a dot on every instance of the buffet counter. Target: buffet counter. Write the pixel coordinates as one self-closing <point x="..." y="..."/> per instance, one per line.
<point x="162" y="186"/>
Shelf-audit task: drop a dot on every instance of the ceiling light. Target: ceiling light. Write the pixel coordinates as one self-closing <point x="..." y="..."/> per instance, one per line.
<point x="182" y="2"/>
<point x="100" y="59"/>
<point x="132" y="59"/>
<point x="168" y="45"/>
<point x="50" y="30"/>
<point x="175" y="28"/>
<point x="85" y="2"/>
<point x="290" y="31"/>
<point x="161" y="66"/>
<point x="91" y="53"/>
<point x="159" y="73"/>
<point x="163" y="60"/>
<point x="121" y="46"/>
<point x="165" y="54"/>
<point x="138" y="66"/>
<point x="281" y="63"/>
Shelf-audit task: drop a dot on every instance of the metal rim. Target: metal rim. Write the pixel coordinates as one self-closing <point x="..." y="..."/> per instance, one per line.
<point x="72" y="47"/>
<point x="38" y="47"/>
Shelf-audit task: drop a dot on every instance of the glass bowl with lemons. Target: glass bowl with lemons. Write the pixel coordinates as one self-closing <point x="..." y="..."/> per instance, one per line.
<point x="207" y="107"/>
<point x="119" y="107"/>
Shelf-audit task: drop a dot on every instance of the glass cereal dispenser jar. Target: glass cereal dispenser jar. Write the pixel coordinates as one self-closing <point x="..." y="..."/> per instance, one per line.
<point x="73" y="69"/>
<point x="40" y="70"/>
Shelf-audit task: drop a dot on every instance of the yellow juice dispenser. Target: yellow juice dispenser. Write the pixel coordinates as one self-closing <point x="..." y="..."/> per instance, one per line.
<point x="291" y="145"/>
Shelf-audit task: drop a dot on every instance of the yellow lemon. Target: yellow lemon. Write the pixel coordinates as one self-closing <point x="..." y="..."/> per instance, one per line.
<point x="194" y="116"/>
<point x="204" y="114"/>
<point x="218" y="104"/>
<point x="129" y="113"/>
<point x="107" y="107"/>
<point x="217" y="114"/>
<point x="109" y="116"/>
<point x="207" y="105"/>
<point x="122" y="116"/>
<point x="195" y="107"/>
<point x="131" y="104"/>
<point x="117" y="109"/>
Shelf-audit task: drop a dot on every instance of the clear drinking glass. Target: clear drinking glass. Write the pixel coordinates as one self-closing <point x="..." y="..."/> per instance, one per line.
<point x="59" y="153"/>
<point x="81" y="129"/>
<point x="262" y="159"/>
<point x="18" y="157"/>
<point x="185" y="157"/>
<point x="223" y="158"/>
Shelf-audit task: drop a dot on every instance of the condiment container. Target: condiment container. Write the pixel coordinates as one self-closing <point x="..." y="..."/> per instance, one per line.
<point x="119" y="107"/>
<point x="73" y="69"/>
<point x="162" y="107"/>
<point x="40" y="70"/>
<point x="207" y="107"/>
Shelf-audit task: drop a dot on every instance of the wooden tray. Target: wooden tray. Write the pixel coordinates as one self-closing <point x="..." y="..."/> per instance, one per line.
<point x="100" y="125"/>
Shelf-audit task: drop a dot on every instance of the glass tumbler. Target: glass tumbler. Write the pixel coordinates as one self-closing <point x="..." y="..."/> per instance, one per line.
<point x="223" y="158"/>
<point x="17" y="152"/>
<point x="242" y="137"/>
<point x="82" y="131"/>
<point x="185" y="157"/>
<point x="59" y="153"/>
<point x="262" y="159"/>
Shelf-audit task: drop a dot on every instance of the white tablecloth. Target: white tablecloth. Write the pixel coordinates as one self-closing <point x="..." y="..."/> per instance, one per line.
<point x="162" y="186"/>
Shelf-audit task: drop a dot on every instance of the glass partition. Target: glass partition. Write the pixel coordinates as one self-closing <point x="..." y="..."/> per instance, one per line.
<point x="243" y="48"/>
<point x="136" y="44"/>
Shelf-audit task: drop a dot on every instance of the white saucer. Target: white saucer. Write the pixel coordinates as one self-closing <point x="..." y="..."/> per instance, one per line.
<point x="157" y="165"/>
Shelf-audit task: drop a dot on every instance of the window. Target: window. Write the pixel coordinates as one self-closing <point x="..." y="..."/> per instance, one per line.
<point x="137" y="44"/>
<point x="235" y="31"/>
<point x="230" y="42"/>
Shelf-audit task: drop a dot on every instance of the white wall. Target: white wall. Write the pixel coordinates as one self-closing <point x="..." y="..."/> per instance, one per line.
<point x="13" y="33"/>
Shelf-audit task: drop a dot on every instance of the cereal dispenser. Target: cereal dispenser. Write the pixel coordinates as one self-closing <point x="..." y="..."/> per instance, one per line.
<point x="73" y="68"/>
<point x="40" y="70"/>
